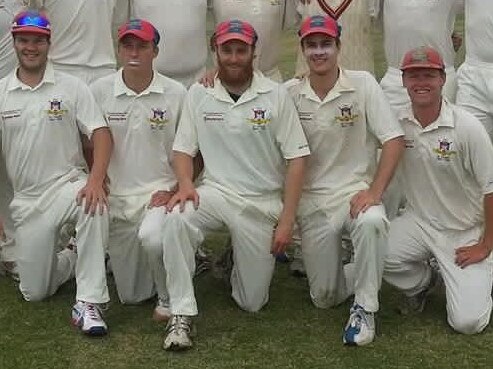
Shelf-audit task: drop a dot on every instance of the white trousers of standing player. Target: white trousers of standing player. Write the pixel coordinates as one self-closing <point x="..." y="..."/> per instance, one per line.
<point x="475" y="91"/>
<point x="322" y="225"/>
<point x="250" y="221"/>
<point x="7" y="244"/>
<point x="87" y="74"/>
<point x="37" y="224"/>
<point x="129" y="261"/>
<point x="412" y="241"/>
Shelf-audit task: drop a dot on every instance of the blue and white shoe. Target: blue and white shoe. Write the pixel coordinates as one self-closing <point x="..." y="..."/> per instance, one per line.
<point x="87" y="317"/>
<point x="360" y="328"/>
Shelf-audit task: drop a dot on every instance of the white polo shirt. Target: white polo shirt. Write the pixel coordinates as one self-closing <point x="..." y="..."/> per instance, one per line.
<point x="182" y="25"/>
<point x="413" y="23"/>
<point x="268" y="17"/>
<point x="344" y="132"/>
<point x="143" y="128"/>
<point x="40" y="129"/>
<point x="479" y="31"/>
<point x="447" y="168"/>
<point x="8" y="59"/>
<point x="244" y="144"/>
<point x="82" y="32"/>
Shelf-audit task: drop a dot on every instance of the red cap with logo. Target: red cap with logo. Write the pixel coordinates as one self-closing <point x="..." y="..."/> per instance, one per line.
<point x="235" y="30"/>
<point x="320" y="24"/>
<point x="422" y="57"/>
<point x="139" y="28"/>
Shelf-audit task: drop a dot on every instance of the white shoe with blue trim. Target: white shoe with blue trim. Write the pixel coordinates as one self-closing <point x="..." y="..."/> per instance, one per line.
<point x="360" y="328"/>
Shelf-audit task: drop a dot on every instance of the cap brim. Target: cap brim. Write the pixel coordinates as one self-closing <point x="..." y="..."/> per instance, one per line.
<point x="31" y="29"/>
<point x="423" y="66"/>
<point x="234" y="36"/>
<point x="137" y="33"/>
<point x="322" y="30"/>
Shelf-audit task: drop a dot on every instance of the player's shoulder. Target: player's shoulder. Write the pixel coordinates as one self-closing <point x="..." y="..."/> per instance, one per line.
<point x="464" y="122"/>
<point x="359" y="77"/>
<point x="104" y="83"/>
<point x="294" y="85"/>
<point x="170" y="85"/>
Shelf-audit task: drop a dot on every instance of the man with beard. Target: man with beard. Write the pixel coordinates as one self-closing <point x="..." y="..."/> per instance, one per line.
<point x="475" y="76"/>
<point x="447" y="171"/>
<point x="142" y="108"/>
<point x="249" y="135"/>
<point x="346" y="119"/>
<point x="42" y="111"/>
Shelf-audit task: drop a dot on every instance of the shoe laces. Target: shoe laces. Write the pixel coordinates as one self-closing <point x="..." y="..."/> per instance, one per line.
<point x="92" y="311"/>
<point x="179" y="323"/>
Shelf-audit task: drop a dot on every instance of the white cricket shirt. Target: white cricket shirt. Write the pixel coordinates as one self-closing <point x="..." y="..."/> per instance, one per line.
<point x="479" y="30"/>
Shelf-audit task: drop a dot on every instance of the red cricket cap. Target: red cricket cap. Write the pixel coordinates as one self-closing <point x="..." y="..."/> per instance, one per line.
<point x="320" y="24"/>
<point x="235" y="30"/>
<point x="422" y="57"/>
<point x="31" y="21"/>
<point x="139" y="28"/>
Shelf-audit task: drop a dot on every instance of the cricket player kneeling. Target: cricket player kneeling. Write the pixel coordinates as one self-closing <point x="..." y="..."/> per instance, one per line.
<point x="253" y="146"/>
<point x="346" y="118"/>
<point x="42" y="112"/>
<point x="448" y="182"/>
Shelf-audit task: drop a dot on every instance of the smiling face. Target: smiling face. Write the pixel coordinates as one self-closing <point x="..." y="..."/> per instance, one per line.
<point x="424" y="86"/>
<point x="321" y="52"/>
<point x="32" y="51"/>
<point x="235" y="62"/>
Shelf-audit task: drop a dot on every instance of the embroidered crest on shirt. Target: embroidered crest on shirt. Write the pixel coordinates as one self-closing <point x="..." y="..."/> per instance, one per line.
<point x="347" y="116"/>
<point x="444" y="150"/>
<point x="261" y="117"/>
<point x="158" y="118"/>
<point x="55" y="112"/>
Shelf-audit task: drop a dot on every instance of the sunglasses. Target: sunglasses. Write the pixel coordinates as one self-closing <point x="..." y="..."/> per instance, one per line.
<point x="31" y="20"/>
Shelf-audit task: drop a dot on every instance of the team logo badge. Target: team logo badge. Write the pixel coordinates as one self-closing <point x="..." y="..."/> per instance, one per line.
<point x="334" y="11"/>
<point x="347" y="116"/>
<point x="261" y="117"/>
<point x="55" y="112"/>
<point x="158" y="118"/>
<point x="444" y="150"/>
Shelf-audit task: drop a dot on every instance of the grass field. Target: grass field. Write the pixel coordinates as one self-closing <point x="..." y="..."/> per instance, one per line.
<point x="288" y="333"/>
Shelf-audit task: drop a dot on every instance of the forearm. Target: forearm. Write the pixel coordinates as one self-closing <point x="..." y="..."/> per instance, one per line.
<point x="392" y="151"/>
<point x="102" y="146"/>
<point x="293" y="186"/>
<point x="488" y="221"/>
<point x="183" y="167"/>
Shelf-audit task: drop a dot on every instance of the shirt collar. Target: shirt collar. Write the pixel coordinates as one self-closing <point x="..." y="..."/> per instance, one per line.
<point x="120" y="88"/>
<point x="16" y="83"/>
<point x="260" y="85"/>
<point x="343" y="85"/>
<point x="445" y="118"/>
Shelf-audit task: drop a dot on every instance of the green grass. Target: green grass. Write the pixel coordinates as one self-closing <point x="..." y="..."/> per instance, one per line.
<point x="288" y="333"/>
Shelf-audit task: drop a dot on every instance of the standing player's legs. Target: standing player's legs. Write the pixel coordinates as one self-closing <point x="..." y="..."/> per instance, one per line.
<point x="369" y="232"/>
<point x="7" y="241"/>
<point x="129" y="261"/>
<point x="475" y="92"/>
<point x="321" y="248"/>
<point x="252" y="229"/>
<point x="87" y="74"/>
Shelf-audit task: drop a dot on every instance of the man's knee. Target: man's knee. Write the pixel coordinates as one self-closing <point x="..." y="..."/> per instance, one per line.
<point x="467" y="323"/>
<point x="372" y="219"/>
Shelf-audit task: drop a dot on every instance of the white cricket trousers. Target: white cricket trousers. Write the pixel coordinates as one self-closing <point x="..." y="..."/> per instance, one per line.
<point x="87" y="74"/>
<point x="251" y="222"/>
<point x="129" y="262"/>
<point x="7" y="244"/>
<point x="475" y="91"/>
<point x="412" y="241"/>
<point x="41" y="269"/>
<point x="322" y="225"/>
<point x="396" y="93"/>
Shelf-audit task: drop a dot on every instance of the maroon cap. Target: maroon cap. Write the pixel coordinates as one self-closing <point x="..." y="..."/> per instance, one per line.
<point x="139" y="28"/>
<point x="320" y="24"/>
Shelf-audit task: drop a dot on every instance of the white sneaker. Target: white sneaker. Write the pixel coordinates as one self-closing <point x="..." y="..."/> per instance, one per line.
<point x="178" y="333"/>
<point x="162" y="312"/>
<point x="360" y="328"/>
<point x="88" y="318"/>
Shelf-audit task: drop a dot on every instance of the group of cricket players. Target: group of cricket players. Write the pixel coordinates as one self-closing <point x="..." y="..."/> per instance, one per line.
<point x="140" y="163"/>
